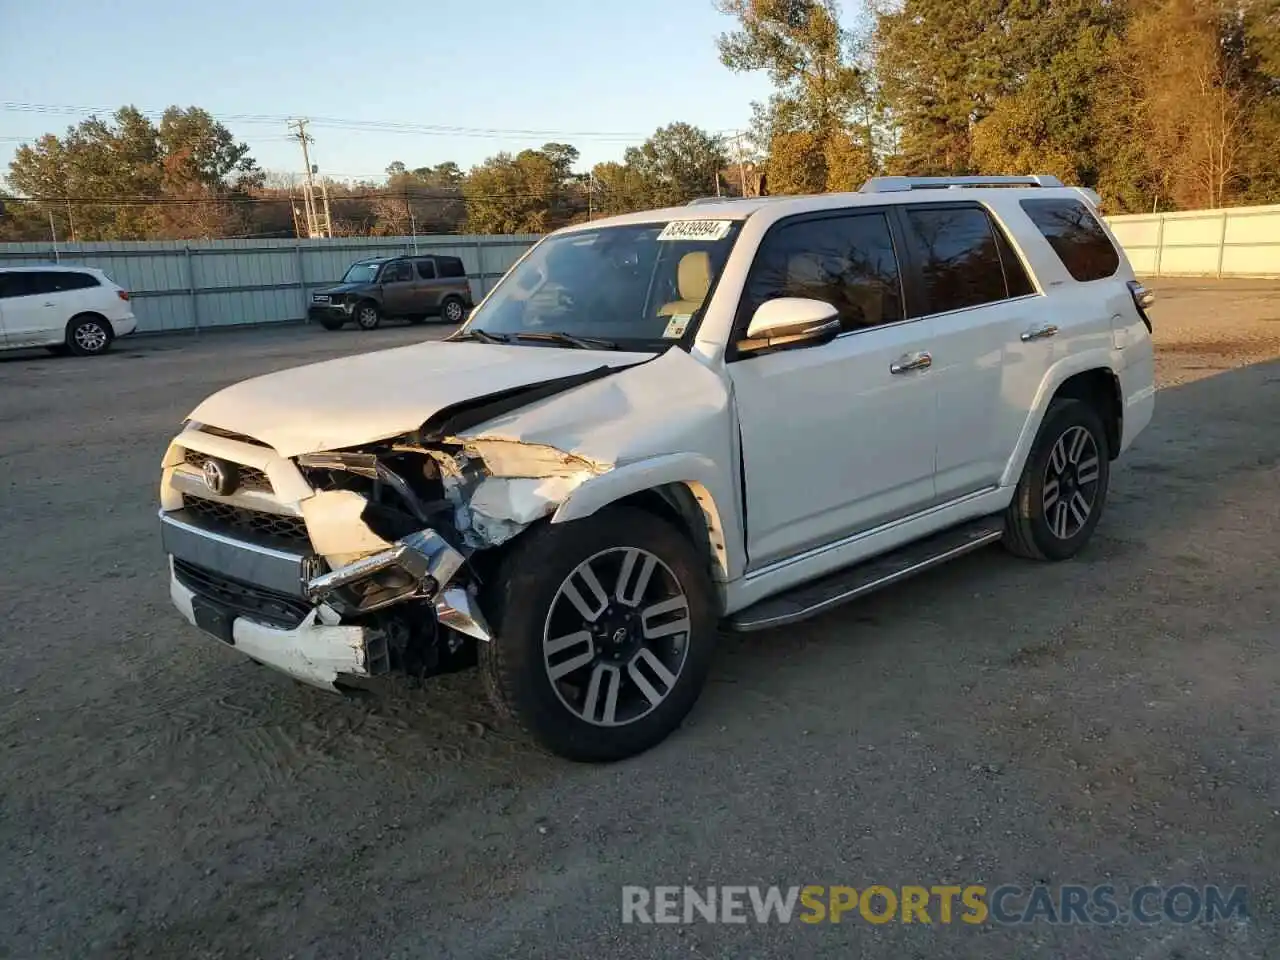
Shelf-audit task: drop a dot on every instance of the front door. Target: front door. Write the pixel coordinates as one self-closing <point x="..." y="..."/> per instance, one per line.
<point x="837" y="438"/>
<point x="398" y="288"/>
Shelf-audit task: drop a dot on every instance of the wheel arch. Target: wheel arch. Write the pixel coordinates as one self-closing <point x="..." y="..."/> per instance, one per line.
<point x="87" y="315"/>
<point x="680" y="488"/>
<point x="1088" y="377"/>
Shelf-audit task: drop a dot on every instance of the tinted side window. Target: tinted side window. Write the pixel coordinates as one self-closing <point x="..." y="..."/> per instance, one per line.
<point x="426" y="269"/>
<point x="959" y="262"/>
<point x="450" y="267"/>
<point x="395" y="272"/>
<point x="846" y="260"/>
<point x="77" y="281"/>
<point x="1076" y="237"/>
<point x="12" y="285"/>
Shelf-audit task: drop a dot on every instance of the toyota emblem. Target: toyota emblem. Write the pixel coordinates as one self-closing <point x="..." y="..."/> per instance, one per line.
<point x="220" y="477"/>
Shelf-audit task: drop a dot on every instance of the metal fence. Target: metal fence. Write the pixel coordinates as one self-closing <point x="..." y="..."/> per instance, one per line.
<point x="1234" y="242"/>
<point x="187" y="285"/>
<point x="183" y="285"/>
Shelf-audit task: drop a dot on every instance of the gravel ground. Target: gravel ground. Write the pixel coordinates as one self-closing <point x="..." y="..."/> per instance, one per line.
<point x="1111" y="719"/>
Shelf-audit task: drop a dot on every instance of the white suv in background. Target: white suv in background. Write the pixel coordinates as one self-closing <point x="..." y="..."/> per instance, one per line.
<point x="735" y="414"/>
<point x="76" y="309"/>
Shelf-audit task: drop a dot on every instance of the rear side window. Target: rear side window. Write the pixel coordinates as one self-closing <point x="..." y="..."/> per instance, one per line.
<point x="77" y="281"/>
<point x="960" y="264"/>
<point x="450" y="267"/>
<point x="1076" y="237"/>
<point x="847" y="261"/>
<point x="426" y="269"/>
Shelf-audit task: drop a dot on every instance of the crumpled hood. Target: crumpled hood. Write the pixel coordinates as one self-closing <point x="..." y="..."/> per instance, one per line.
<point x="376" y="396"/>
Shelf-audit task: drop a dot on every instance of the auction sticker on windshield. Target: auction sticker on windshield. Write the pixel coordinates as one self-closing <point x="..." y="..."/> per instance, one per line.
<point x="696" y="230"/>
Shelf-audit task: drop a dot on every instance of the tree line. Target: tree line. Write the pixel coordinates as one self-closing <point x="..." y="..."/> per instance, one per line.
<point x="1156" y="104"/>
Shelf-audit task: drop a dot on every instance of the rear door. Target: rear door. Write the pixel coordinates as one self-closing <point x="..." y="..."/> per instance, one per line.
<point x="980" y="301"/>
<point x="398" y="288"/>
<point x="427" y="292"/>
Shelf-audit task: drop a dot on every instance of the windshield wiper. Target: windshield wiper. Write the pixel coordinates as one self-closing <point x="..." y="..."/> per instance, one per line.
<point x="569" y="340"/>
<point x="483" y="336"/>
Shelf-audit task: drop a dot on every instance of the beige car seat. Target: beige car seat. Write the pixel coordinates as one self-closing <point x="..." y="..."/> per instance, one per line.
<point x="693" y="280"/>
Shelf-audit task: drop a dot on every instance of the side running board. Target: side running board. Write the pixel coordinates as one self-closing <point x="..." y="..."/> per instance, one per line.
<point x="818" y="596"/>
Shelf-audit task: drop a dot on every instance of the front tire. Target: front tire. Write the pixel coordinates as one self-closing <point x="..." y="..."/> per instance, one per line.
<point x="603" y="634"/>
<point x="1063" y="489"/>
<point x="368" y="316"/>
<point x="89" y="335"/>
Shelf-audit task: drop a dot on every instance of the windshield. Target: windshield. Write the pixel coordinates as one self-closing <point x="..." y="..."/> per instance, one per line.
<point x="637" y="286"/>
<point x="361" y="273"/>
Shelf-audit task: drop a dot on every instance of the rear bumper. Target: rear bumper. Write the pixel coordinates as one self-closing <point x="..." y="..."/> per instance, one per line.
<point x="123" y="326"/>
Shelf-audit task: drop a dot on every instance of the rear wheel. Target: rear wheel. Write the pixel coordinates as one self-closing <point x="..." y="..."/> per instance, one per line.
<point x="368" y="316"/>
<point x="1063" y="489"/>
<point x="452" y="310"/>
<point x="88" y="335"/>
<point x="603" y="634"/>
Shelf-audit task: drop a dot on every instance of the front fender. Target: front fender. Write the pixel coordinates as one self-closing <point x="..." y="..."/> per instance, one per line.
<point x="705" y="481"/>
<point x="1057" y="375"/>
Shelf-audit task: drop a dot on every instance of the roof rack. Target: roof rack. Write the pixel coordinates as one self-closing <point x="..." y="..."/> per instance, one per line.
<point x="898" y="184"/>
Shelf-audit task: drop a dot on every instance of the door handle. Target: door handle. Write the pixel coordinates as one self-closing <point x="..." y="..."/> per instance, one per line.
<point x="50" y="303"/>
<point x="911" y="361"/>
<point x="1040" y="333"/>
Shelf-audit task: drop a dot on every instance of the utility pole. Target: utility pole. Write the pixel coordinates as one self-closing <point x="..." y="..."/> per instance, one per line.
<point x="71" y="221"/>
<point x="742" y="167"/>
<point x="54" y="234"/>
<point x="591" y="185"/>
<point x="316" y="226"/>
<point x="413" y="222"/>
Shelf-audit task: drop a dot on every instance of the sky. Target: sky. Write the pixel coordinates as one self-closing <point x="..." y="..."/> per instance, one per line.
<point x="599" y="74"/>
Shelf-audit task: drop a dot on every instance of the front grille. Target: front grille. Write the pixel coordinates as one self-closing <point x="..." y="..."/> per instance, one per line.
<point x="246" y="600"/>
<point x="251" y="478"/>
<point x="229" y="518"/>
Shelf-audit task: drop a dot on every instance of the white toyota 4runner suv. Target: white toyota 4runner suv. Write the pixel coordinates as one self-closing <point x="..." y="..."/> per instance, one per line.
<point x="731" y="415"/>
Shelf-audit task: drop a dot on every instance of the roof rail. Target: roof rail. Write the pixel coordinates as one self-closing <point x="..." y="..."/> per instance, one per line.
<point x="898" y="184"/>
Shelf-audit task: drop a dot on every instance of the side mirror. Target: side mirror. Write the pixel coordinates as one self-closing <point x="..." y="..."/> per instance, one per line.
<point x="791" y="322"/>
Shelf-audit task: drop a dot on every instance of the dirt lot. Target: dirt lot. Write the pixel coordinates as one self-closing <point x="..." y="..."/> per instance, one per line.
<point x="1112" y="719"/>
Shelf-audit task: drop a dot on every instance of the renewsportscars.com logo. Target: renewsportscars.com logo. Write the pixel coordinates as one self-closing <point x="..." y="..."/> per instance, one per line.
<point x="972" y="904"/>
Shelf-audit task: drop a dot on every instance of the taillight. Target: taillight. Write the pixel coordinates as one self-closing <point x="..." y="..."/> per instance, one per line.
<point x="1142" y="298"/>
<point x="122" y="294"/>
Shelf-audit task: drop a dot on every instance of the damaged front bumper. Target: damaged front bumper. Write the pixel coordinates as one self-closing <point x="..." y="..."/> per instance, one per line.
<point x="282" y="608"/>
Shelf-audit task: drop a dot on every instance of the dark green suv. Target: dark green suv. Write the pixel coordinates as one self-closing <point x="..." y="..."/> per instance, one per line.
<point x="411" y="287"/>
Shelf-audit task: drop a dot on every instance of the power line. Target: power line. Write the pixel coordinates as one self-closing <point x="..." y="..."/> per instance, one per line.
<point x="381" y="126"/>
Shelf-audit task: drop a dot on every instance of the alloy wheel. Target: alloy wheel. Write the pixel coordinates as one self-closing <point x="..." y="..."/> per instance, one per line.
<point x="90" y="337"/>
<point x="453" y="311"/>
<point x="614" y="655"/>
<point x="1071" y="482"/>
